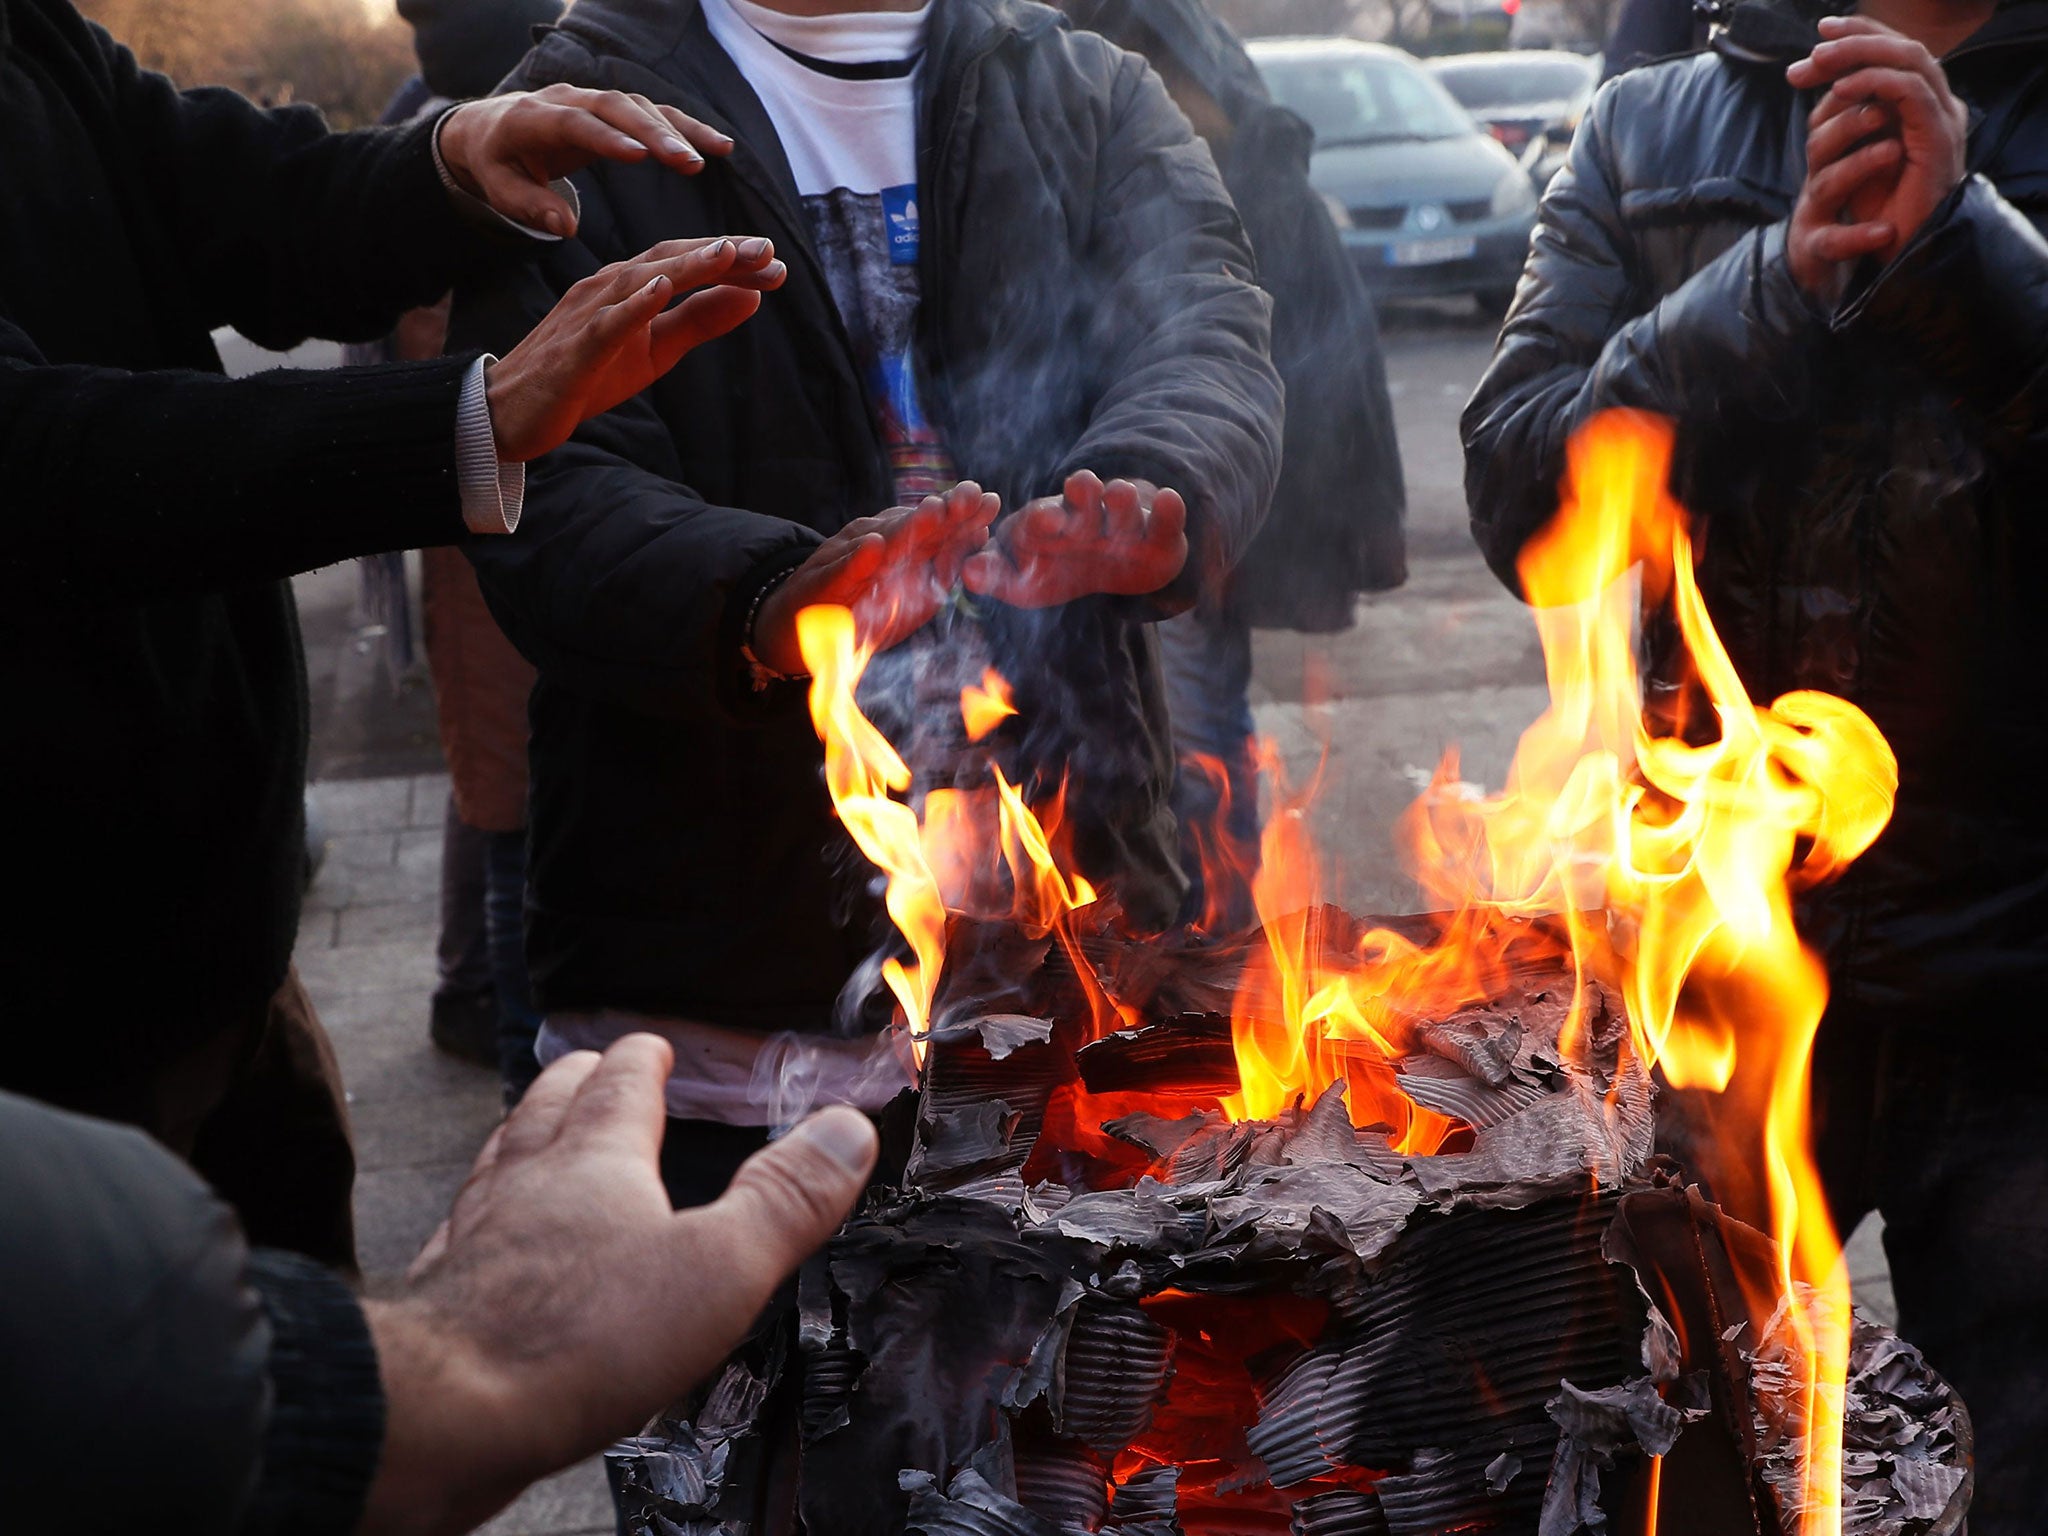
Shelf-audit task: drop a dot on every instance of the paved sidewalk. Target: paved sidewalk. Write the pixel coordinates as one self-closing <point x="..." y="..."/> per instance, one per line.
<point x="366" y="952"/>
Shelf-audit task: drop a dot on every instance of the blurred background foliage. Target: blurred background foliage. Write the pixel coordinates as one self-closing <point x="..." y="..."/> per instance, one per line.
<point x="346" y="56"/>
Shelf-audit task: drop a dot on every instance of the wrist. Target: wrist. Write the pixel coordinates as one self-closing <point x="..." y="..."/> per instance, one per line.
<point x="768" y="637"/>
<point x="451" y="149"/>
<point x="452" y="1453"/>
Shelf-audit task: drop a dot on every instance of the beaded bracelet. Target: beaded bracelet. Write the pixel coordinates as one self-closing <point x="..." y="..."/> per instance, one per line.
<point x="759" y="674"/>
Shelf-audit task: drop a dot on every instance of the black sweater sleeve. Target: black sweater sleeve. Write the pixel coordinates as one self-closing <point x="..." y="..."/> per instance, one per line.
<point x="158" y="1374"/>
<point x="139" y="485"/>
<point x="285" y="229"/>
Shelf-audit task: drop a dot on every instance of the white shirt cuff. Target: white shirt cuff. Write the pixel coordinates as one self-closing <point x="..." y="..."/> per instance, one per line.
<point x="476" y="208"/>
<point x="493" y="492"/>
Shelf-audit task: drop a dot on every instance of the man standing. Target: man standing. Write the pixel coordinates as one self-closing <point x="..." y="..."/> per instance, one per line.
<point x="1010" y="261"/>
<point x="152" y="770"/>
<point x="1335" y="528"/>
<point x="1817" y="250"/>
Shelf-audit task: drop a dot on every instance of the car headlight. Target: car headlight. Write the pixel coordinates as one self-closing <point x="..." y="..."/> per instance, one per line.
<point x="1339" y="214"/>
<point x="1513" y="194"/>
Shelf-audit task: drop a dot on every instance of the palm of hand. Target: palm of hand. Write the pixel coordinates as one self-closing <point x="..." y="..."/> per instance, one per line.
<point x="1126" y="538"/>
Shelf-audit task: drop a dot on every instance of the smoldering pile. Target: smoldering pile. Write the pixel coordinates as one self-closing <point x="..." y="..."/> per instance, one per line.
<point x="1096" y="1303"/>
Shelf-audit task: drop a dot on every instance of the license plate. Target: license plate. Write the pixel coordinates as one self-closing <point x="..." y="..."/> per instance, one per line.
<point x="1427" y="253"/>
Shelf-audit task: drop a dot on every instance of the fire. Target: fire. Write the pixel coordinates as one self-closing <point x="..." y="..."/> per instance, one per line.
<point x="1668" y="864"/>
<point x="938" y="863"/>
<point x="863" y="773"/>
<point x="984" y="708"/>
<point x="1664" y="864"/>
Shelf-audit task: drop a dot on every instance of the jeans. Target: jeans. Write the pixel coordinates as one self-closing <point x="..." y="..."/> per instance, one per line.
<point x="505" y="938"/>
<point x="1207" y="664"/>
<point x="1940" y="1122"/>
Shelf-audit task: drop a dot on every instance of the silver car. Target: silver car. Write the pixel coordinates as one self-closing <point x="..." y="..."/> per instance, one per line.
<point x="1427" y="202"/>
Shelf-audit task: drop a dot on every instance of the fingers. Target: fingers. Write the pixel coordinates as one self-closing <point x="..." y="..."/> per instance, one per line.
<point x="1123" y="513"/>
<point x="1836" y="243"/>
<point x="619" y="1106"/>
<point x="789" y="1198"/>
<point x="1831" y="187"/>
<point x="1919" y="108"/>
<point x="534" y="1124"/>
<point x="1877" y="48"/>
<point x="1170" y="521"/>
<point x="1831" y="137"/>
<point x="700" y="318"/>
<point x="525" y="199"/>
<point x="704" y="138"/>
<point x="1083" y="495"/>
<point x="641" y="121"/>
<point x="674" y="137"/>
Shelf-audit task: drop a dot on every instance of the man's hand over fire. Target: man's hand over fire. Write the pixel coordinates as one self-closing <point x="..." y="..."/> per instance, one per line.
<point x="1885" y="148"/>
<point x="506" y="150"/>
<point x="1128" y="537"/>
<point x="893" y="571"/>
<point x="616" y="332"/>
<point x="564" y="1301"/>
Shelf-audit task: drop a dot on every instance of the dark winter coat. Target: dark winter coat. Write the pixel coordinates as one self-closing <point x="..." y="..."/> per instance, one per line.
<point x="1086" y="302"/>
<point x="133" y="1299"/>
<point x="1335" y="529"/>
<point x="152" y="767"/>
<point x="1865" y="485"/>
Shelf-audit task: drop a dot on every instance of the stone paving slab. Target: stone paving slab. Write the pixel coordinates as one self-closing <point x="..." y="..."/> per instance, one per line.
<point x="366" y="953"/>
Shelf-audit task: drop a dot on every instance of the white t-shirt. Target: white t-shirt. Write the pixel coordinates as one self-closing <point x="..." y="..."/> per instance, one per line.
<point x="842" y="93"/>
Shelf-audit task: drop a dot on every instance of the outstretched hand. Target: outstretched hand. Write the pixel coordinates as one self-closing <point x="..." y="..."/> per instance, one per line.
<point x="1885" y="148"/>
<point x="893" y="571"/>
<point x="615" y="333"/>
<point x="1128" y="537"/>
<point x="506" y="150"/>
<point x="564" y="1302"/>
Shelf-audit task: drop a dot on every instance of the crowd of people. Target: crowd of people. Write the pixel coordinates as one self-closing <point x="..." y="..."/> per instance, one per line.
<point x="1023" y="335"/>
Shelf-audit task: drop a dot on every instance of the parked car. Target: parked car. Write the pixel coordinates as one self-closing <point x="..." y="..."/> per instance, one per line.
<point x="1517" y="96"/>
<point x="1427" y="202"/>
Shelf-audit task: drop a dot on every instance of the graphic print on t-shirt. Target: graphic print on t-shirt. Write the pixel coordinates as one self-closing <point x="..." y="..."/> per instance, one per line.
<point x="867" y="243"/>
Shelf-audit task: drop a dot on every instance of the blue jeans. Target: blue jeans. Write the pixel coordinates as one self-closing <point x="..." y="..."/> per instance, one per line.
<point x="1206" y="660"/>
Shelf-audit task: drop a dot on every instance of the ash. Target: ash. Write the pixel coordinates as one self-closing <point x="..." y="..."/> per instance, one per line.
<point x="1094" y="1303"/>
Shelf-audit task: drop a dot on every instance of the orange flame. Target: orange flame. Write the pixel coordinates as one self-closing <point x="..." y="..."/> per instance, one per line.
<point x="1665" y="865"/>
<point x="986" y="707"/>
<point x="861" y="771"/>
<point x="940" y="863"/>
<point x="1669" y="864"/>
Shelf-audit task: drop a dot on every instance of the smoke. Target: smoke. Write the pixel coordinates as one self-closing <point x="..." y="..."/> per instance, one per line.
<point x="796" y="1074"/>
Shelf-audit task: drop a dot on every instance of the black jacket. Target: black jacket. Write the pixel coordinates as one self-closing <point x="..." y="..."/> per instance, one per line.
<point x="1865" y="485"/>
<point x="1086" y="302"/>
<point x="159" y="1375"/>
<point x="152" y="765"/>
<point x="1335" y="527"/>
<point x="1335" y="530"/>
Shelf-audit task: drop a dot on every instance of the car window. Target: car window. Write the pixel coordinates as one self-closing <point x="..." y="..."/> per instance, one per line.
<point x="1506" y="83"/>
<point x="1365" y="100"/>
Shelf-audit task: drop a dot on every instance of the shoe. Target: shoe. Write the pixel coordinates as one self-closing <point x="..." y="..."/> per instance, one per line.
<point x="465" y="1026"/>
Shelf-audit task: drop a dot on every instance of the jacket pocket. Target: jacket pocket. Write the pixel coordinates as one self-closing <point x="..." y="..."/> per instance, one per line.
<point x="1705" y="201"/>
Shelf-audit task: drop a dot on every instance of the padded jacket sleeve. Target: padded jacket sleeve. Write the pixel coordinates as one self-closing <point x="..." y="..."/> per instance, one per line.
<point x="1584" y="336"/>
<point x="158" y="1373"/>
<point x="1192" y="401"/>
